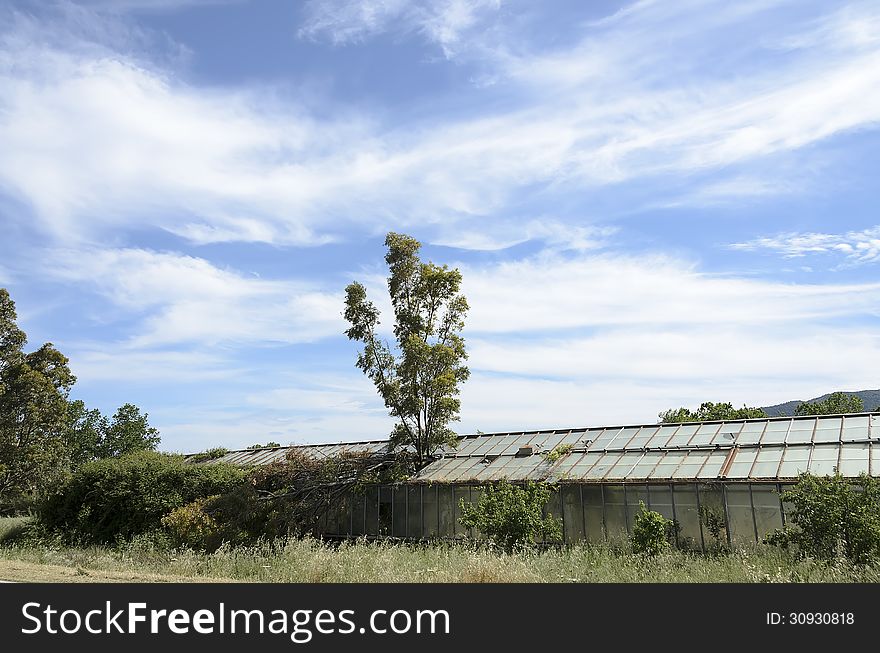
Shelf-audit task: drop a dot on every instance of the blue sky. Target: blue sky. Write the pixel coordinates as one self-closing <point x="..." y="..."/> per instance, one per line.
<point x="652" y="203"/>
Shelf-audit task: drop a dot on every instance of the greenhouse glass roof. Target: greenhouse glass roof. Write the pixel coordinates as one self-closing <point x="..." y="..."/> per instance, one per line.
<point x="741" y="450"/>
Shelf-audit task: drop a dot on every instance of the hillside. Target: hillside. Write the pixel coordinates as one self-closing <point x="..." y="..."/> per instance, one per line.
<point x="871" y="399"/>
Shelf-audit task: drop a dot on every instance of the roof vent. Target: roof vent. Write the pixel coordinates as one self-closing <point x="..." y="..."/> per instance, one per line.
<point x="488" y="458"/>
<point x="527" y="450"/>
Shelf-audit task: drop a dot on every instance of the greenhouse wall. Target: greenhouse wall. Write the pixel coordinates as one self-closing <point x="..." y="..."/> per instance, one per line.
<point x="708" y="514"/>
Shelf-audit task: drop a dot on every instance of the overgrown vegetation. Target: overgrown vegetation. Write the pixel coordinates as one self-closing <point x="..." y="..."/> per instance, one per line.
<point x="119" y="498"/>
<point x="210" y="454"/>
<point x="556" y="452"/>
<point x="512" y="516"/>
<point x="832" y="517"/>
<point x="652" y="533"/>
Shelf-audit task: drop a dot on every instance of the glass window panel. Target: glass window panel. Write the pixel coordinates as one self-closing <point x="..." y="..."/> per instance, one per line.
<point x="615" y="512"/>
<point x="385" y="498"/>
<point x="505" y="443"/>
<point x="605" y="463"/>
<point x="660" y="500"/>
<point x="742" y="463"/>
<point x="827" y="435"/>
<point x="860" y="421"/>
<point x="663" y="435"/>
<point x="573" y="512"/>
<point x="712" y="468"/>
<point x="768" y="511"/>
<point x="824" y="460"/>
<point x="635" y="494"/>
<point x="739" y="510"/>
<point x="681" y="438"/>
<point x="854" y="459"/>
<point x="688" y="518"/>
<point x="727" y="434"/>
<point x="691" y="466"/>
<point x="644" y="436"/>
<point x="854" y="433"/>
<point x="712" y="516"/>
<point x="584" y="465"/>
<point x="553" y="509"/>
<point x="751" y="432"/>
<point x="430" y="513"/>
<point x="602" y="441"/>
<point x="801" y="432"/>
<point x="622" y="438"/>
<point x="875" y="459"/>
<point x="476" y="496"/>
<point x="358" y="514"/>
<point x="593" y="526"/>
<point x="705" y="434"/>
<point x="794" y="461"/>
<point x="667" y="466"/>
<point x="459" y="493"/>
<point x="646" y="465"/>
<point x="446" y="511"/>
<point x="371" y="527"/>
<point x="398" y="527"/>
<point x="775" y="432"/>
<point x="574" y="438"/>
<point x="626" y="462"/>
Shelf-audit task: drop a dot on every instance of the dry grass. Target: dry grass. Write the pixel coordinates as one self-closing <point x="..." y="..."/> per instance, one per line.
<point x="312" y="561"/>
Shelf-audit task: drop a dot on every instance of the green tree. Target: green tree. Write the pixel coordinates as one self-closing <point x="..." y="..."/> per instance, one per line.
<point x="832" y="516"/>
<point x="90" y="435"/>
<point x="127" y="432"/>
<point x="837" y="403"/>
<point x="652" y="533"/>
<point x="419" y="379"/>
<point x="709" y="411"/>
<point x="33" y="410"/>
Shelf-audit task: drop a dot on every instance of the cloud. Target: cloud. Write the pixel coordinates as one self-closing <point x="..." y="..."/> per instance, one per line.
<point x="855" y="246"/>
<point x="225" y="165"/>
<point x="443" y="22"/>
<point x="185" y="299"/>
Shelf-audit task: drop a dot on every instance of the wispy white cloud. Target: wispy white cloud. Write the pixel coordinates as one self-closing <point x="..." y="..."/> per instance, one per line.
<point x="184" y="299"/>
<point x="224" y="165"/>
<point x="855" y="246"/>
<point x="442" y="22"/>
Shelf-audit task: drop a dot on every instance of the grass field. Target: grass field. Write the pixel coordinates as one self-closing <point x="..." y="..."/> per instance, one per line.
<point x="313" y="561"/>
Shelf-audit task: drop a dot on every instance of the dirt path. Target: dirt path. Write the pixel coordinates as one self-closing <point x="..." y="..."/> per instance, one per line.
<point x="29" y="572"/>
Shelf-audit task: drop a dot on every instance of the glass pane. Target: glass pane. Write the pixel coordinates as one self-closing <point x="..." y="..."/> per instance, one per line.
<point x="775" y="432"/>
<point x="660" y="499"/>
<point x="739" y="510"/>
<point x="385" y="494"/>
<point x="794" y="461"/>
<point x="460" y="493"/>
<point x="623" y="466"/>
<point x="801" y="432"/>
<point x="615" y="512"/>
<point x="445" y="510"/>
<point x="600" y="469"/>
<point x="622" y="438"/>
<point x="667" y="466"/>
<point x="824" y="460"/>
<point x="634" y="495"/>
<point x="662" y="436"/>
<point x="712" y="517"/>
<point x="398" y="528"/>
<point x="592" y="495"/>
<point x="768" y="511"/>
<point x="827" y="435"/>
<point x="430" y="513"/>
<point x="742" y="463"/>
<point x="713" y="466"/>
<point x="414" y="527"/>
<point x="767" y="463"/>
<point x="691" y="466"/>
<point x="574" y="513"/>
<point x="646" y="465"/>
<point x="372" y="498"/>
<point x="705" y="434"/>
<point x="751" y="432"/>
<point x="358" y="514"/>
<point x="687" y="516"/>
<point x="553" y="509"/>
<point x="854" y="459"/>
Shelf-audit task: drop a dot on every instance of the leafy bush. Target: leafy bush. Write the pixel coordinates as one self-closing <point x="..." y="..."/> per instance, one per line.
<point x="833" y="517"/>
<point x="556" y="452"/>
<point x="512" y="516"/>
<point x="210" y="454"/>
<point x="191" y="526"/>
<point x="652" y="532"/>
<point x="117" y="498"/>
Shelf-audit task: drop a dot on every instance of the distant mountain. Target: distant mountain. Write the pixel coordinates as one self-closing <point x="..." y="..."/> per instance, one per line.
<point x="871" y="399"/>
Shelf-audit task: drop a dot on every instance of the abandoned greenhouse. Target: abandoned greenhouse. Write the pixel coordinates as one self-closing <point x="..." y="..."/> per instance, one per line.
<point x="720" y="481"/>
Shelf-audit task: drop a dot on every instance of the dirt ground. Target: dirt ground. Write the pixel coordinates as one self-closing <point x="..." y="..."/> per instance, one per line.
<point x="29" y="572"/>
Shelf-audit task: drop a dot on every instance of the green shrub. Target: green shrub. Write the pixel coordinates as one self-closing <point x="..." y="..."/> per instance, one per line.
<point x="832" y="517"/>
<point x="191" y="526"/>
<point x="210" y="454"/>
<point x="556" y="452"/>
<point x="652" y="532"/>
<point x="115" y="499"/>
<point x="512" y="516"/>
